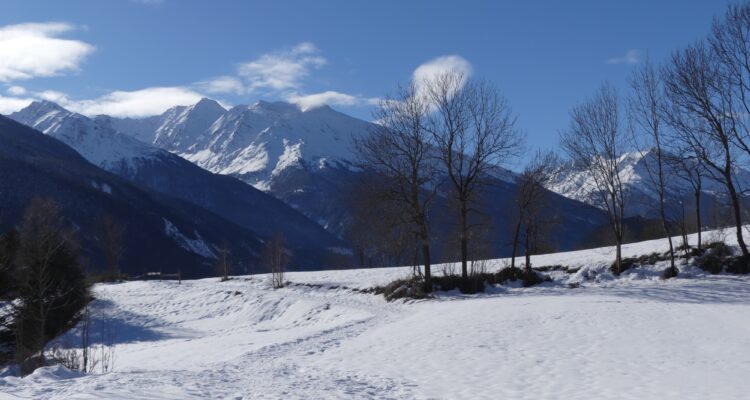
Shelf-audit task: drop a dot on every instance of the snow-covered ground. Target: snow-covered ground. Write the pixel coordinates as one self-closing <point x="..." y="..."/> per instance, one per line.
<point x="632" y="337"/>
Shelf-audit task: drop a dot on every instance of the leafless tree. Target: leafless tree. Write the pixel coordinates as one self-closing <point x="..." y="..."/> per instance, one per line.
<point x="111" y="242"/>
<point x="52" y="288"/>
<point x="689" y="170"/>
<point x="398" y="152"/>
<point x="530" y="201"/>
<point x="704" y="120"/>
<point x="474" y="130"/>
<point x="594" y="141"/>
<point x="377" y="230"/>
<point x="276" y="257"/>
<point x="223" y="264"/>
<point x="645" y="112"/>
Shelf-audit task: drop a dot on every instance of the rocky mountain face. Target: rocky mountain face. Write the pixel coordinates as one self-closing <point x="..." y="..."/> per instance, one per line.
<point x="146" y="165"/>
<point x="162" y="233"/>
<point x="639" y="175"/>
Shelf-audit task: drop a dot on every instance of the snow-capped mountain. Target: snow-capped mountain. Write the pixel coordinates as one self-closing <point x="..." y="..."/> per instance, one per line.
<point x="641" y="195"/>
<point x="99" y="141"/>
<point x="302" y="157"/>
<point x="161" y="232"/>
<point x="254" y="143"/>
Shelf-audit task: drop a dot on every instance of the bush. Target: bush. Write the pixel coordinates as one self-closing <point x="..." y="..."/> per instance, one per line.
<point x="719" y="249"/>
<point x="669" y="272"/>
<point x="710" y="263"/>
<point x="625" y="264"/>
<point x="739" y="265"/>
<point x="411" y="288"/>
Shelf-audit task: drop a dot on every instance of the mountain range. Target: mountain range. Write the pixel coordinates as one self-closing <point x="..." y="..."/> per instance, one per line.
<point x="272" y="167"/>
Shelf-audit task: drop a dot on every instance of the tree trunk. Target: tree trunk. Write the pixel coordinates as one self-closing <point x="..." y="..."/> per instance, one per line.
<point x="737" y="215"/>
<point x="527" y="249"/>
<point x="515" y="244"/>
<point x="618" y="256"/>
<point x="698" y="216"/>
<point x="464" y="242"/>
<point x="427" y="272"/>
<point x="667" y="233"/>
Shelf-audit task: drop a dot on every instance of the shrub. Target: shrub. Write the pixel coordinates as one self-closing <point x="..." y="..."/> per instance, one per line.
<point x="625" y="264"/>
<point x="719" y="249"/>
<point x="411" y="288"/>
<point x="710" y="263"/>
<point x="739" y="265"/>
<point x="669" y="272"/>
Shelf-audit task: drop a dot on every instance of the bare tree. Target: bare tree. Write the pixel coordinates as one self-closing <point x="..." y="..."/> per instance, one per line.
<point x="701" y="113"/>
<point x="645" y="111"/>
<point x="474" y="131"/>
<point x="223" y="264"/>
<point x="594" y="141"/>
<point x="377" y="229"/>
<point x="689" y="170"/>
<point x="530" y="200"/>
<point x="52" y="288"/>
<point x="398" y="151"/>
<point x="111" y="241"/>
<point x="276" y="257"/>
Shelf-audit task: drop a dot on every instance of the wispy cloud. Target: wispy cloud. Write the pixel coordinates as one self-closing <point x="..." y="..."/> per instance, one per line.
<point x="35" y="50"/>
<point x="428" y="71"/>
<point x="631" y="57"/>
<point x="277" y="71"/>
<point x="11" y="104"/>
<point x="16" y="90"/>
<point x="136" y="103"/>
<point x="278" y="74"/>
<point x="330" y="97"/>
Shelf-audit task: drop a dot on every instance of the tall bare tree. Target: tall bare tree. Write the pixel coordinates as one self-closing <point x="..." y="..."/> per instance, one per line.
<point x="530" y="201"/>
<point x="702" y="114"/>
<point x="52" y="286"/>
<point x="645" y="111"/>
<point x="689" y="170"/>
<point x="474" y="131"/>
<point x="398" y="151"/>
<point x="111" y="242"/>
<point x="594" y="141"/>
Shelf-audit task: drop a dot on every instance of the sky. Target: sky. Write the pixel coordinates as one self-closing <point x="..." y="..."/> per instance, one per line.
<point x="134" y="58"/>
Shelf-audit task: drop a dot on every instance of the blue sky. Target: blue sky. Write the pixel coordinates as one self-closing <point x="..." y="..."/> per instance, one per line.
<point x="136" y="58"/>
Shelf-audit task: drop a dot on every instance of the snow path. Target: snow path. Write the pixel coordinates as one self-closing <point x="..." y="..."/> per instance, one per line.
<point x="635" y="337"/>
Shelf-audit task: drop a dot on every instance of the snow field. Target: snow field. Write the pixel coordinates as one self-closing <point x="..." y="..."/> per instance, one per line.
<point x="632" y="337"/>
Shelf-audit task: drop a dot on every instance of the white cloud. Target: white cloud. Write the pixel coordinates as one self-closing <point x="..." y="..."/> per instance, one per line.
<point x="428" y="71"/>
<point x="35" y="50"/>
<point x="16" y="91"/>
<point x="54" y="96"/>
<point x="137" y="103"/>
<point x="224" y="84"/>
<point x="12" y="104"/>
<point x="330" y="97"/>
<point x="281" y="70"/>
<point x="631" y="57"/>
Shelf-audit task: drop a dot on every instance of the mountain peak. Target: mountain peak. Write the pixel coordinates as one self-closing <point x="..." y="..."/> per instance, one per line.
<point x="275" y="106"/>
<point x="42" y="106"/>
<point x="208" y="104"/>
